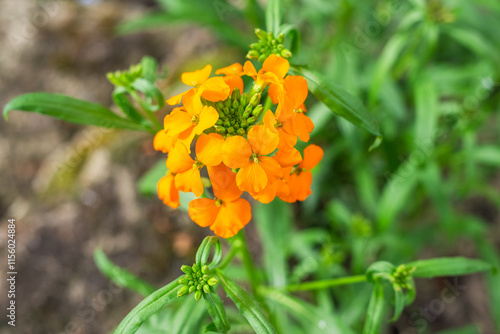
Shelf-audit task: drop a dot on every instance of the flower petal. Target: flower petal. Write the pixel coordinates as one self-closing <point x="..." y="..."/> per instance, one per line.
<point x="277" y="65"/>
<point x="176" y="99"/>
<point x="263" y="139"/>
<point x="178" y="160"/>
<point x="197" y="77"/>
<point x="234" y="81"/>
<point x="190" y="181"/>
<point x="234" y="69"/>
<point x="203" y="211"/>
<point x="302" y="126"/>
<point x="167" y="191"/>
<point x="288" y="157"/>
<point x="232" y="217"/>
<point x="271" y="167"/>
<point x="249" y="69"/>
<point x="215" y="89"/>
<point x="224" y="182"/>
<point x="251" y="178"/>
<point x="207" y="118"/>
<point x="177" y="121"/>
<point x="296" y="88"/>
<point x="208" y="148"/>
<point x="236" y="152"/>
<point x="312" y="156"/>
<point x="163" y="142"/>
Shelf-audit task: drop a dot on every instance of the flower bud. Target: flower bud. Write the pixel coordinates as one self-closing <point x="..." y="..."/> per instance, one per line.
<point x="197" y="295"/>
<point x="240" y="132"/>
<point x="204" y="269"/>
<point x="221" y="130"/>
<point x="286" y="53"/>
<point x="206" y="288"/>
<point x="191" y="288"/>
<point x="244" y="99"/>
<point x="183" y="280"/>
<point x="195" y="267"/>
<point x="219" y="122"/>
<point x="212" y="281"/>
<point x="230" y="130"/>
<point x="258" y="110"/>
<point x="253" y="54"/>
<point x="182" y="291"/>
<point x="261" y="58"/>
<point x="255" y="99"/>
<point x="187" y="269"/>
<point x="261" y="34"/>
<point x="281" y="38"/>
<point x="236" y="104"/>
<point x="251" y="120"/>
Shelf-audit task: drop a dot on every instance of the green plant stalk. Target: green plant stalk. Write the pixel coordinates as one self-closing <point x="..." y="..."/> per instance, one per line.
<point x="247" y="262"/>
<point x="317" y="285"/>
<point x="156" y="124"/>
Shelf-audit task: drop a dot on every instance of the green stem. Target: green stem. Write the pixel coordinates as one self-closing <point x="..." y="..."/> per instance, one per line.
<point x="156" y="124"/>
<point x="317" y="285"/>
<point x="247" y="262"/>
<point x="267" y="105"/>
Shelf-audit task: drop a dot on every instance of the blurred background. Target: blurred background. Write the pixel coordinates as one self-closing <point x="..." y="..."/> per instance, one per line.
<point x="427" y="70"/>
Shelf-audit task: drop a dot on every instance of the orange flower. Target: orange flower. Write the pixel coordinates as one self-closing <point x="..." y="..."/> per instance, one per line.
<point x="163" y="142"/>
<point x="272" y="73"/>
<point x="256" y="170"/>
<point x="188" y="178"/>
<point x="227" y="213"/>
<point x="187" y="123"/>
<point x="167" y="191"/>
<point x="233" y="75"/>
<point x="300" y="178"/>
<point x="213" y="89"/>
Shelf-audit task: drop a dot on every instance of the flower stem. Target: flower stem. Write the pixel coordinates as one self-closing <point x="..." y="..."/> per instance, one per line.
<point x="156" y="124"/>
<point x="317" y="285"/>
<point x="235" y="248"/>
<point x="247" y="262"/>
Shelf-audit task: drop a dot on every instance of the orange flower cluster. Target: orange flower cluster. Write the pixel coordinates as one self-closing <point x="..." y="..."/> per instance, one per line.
<point x="242" y="147"/>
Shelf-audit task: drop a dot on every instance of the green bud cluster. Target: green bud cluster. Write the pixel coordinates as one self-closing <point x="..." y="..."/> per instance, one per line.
<point x="125" y="78"/>
<point x="267" y="45"/>
<point x="237" y="113"/>
<point x="197" y="280"/>
<point x="401" y="276"/>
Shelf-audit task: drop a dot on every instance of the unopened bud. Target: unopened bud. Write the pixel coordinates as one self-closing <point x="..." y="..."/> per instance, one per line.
<point x="206" y="288"/>
<point x="195" y="267"/>
<point x="251" y="120"/>
<point x="212" y="281"/>
<point x="187" y="269"/>
<point x="253" y="54"/>
<point x="261" y="33"/>
<point x="221" y="130"/>
<point x="182" y="291"/>
<point x="285" y="53"/>
<point x="240" y="132"/>
<point x="230" y="130"/>
<point x="204" y="269"/>
<point x="244" y="99"/>
<point x="258" y="110"/>
<point x="197" y="295"/>
<point x="255" y="99"/>
<point x="261" y="58"/>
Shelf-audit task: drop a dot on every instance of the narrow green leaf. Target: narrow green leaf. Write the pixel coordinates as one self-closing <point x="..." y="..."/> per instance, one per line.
<point x="338" y="100"/>
<point x="246" y="305"/>
<point x="149" y="306"/>
<point x="399" y="303"/>
<point x="375" y="310"/>
<point x="273" y="16"/>
<point x="121" y="100"/>
<point x="149" y="69"/>
<point x="216" y="309"/>
<point x="121" y="277"/>
<point x="69" y="109"/>
<point x="151" y="91"/>
<point x="206" y="248"/>
<point x="426" y="113"/>
<point x="448" y="266"/>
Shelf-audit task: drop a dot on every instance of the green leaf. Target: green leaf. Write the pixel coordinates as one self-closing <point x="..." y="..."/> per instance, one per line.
<point x="379" y="269"/>
<point x="247" y="307"/>
<point x="273" y="16"/>
<point x="399" y="303"/>
<point x="448" y="266"/>
<point x="149" y="69"/>
<point x="151" y="91"/>
<point x="375" y="310"/>
<point x="121" y="277"/>
<point x="338" y="100"/>
<point x="204" y="252"/>
<point x="426" y="113"/>
<point x="121" y="100"/>
<point x="217" y="311"/>
<point x="149" y="306"/>
<point x="71" y="110"/>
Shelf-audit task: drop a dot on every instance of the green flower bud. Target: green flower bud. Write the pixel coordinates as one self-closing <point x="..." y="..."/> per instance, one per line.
<point x="253" y="54"/>
<point x="227" y="111"/>
<point x="254" y="45"/>
<point x="261" y="34"/>
<point x="197" y="295"/>
<point x="236" y="94"/>
<point x="195" y="267"/>
<point x="199" y="287"/>
<point x="206" y="288"/>
<point x="261" y="58"/>
<point x="219" y="122"/>
<point x="183" y="280"/>
<point x="204" y="270"/>
<point x="240" y="110"/>
<point x="246" y="114"/>
<point x="219" y="105"/>
<point x="280" y="47"/>
<point x="255" y="99"/>
<point x="243" y="124"/>
<point x="240" y="132"/>
<point x="281" y="38"/>
<point x="286" y="53"/>
<point x="182" y="291"/>
<point x="258" y="110"/>
<point x="244" y="99"/>
<point x="221" y="130"/>
<point x="191" y="288"/>
<point x="187" y="269"/>
<point x="230" y="130"/>
<point x="236" y="104"/>
<point x="228" y="103"/>
<point x="227" y="123"/>
<point x="206" y="276"/>
<point x="212" y="281"/>
<point x="270" y="36"/>
<point x="251" y="120"/>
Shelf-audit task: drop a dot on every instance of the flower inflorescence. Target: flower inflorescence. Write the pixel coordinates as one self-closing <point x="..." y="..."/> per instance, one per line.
<point x="244" y="146"/>
<point x="267" y="45"/>
<point x="197" y="280"/>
